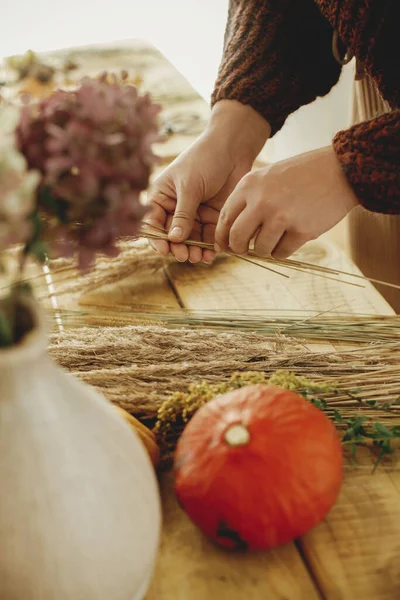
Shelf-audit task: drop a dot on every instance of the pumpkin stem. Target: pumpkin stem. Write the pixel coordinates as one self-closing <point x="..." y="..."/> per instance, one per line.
<point x="237" y="435"/>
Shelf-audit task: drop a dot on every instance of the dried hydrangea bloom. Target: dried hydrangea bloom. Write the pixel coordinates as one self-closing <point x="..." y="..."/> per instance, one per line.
<point x="93" y="147"/>
<point x="18" y="186"/>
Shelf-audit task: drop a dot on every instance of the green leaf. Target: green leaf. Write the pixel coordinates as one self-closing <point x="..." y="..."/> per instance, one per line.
<point x="319" y="403"/>
<point x="385" y="445"/>
<point x="337" y="417"/>
<point x="56" y="206"/>
<point x="355" y="430"/>
<point x="356" y="423"/>
<point x="355" y="391"/>
<point x="381" y="430"/>
<point x="385" y="450"/>
<point x="36" y="233"/>
<point x="353" y="449"/>
<point x="39" y="250"/>
<point x="378" y="461"/>
<point x="371" y="403"/>
<point x="35" y="246"/>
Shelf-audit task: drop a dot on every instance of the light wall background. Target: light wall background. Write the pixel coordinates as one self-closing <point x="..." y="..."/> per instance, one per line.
<point x="188" y="32"/>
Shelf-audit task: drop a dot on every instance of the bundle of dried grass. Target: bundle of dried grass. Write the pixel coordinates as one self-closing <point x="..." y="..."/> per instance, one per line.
<point x="155" y="372"/>
<point x="137" y="257"/>
<point x="339" y="327"/>
<point x="139" y="367"/>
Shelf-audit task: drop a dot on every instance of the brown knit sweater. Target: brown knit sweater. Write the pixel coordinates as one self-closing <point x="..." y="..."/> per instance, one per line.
<point x="278" y="56"/>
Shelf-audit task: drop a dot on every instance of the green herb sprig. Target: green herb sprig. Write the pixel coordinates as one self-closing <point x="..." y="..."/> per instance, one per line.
<point x="356" y="431"/>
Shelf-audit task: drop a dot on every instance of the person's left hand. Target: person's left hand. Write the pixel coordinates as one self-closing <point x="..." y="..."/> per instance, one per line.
<point x="285" y="205"/>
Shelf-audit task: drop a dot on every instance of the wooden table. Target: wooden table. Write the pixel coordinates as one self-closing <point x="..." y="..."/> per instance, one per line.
<point x="355" y="553"/>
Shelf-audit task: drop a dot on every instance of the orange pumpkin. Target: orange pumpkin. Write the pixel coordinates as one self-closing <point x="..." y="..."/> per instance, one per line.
<point x="145" y="434"/>
<point x="258" y="467"/>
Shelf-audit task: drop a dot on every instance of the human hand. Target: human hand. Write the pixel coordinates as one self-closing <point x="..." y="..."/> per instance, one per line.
<point x="285" y="205"/>
<point x="188" y="196"/>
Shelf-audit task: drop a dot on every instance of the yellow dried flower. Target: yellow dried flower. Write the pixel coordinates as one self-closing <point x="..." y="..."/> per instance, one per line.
<point x="176" y="412"/>
<point x="238" y="380"/>
<point x="290" y="381"/>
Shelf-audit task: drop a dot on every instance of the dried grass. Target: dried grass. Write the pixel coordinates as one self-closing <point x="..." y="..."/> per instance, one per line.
<point x="138" y="367"/>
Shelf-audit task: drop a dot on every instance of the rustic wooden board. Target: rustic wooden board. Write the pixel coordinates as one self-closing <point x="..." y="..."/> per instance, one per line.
<point x="355" y="552"/>
<point x="152" y="290"/>
<point x="395" y="478"/>
<point x="190" y="567"/>
<point x="233" y="283"/>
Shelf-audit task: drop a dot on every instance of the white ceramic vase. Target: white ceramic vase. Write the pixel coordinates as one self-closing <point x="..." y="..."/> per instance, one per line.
<point x="79" y="500"/>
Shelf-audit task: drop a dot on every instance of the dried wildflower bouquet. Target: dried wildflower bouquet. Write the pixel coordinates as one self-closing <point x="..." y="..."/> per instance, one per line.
<point x="72" y="168"/>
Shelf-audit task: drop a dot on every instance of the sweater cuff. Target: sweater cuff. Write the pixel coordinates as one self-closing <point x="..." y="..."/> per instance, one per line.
<point x="369" y="154"/>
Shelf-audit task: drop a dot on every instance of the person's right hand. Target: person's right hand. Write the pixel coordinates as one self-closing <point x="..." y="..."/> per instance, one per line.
<point x="188" y="196"/>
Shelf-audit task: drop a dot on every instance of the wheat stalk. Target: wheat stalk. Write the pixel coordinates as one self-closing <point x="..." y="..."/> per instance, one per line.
<point x="339" y="327"/>
<point x="151" y="232"/>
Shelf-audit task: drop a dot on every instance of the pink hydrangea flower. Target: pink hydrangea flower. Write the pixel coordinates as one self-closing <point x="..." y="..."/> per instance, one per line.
<point x="93" y="147"/>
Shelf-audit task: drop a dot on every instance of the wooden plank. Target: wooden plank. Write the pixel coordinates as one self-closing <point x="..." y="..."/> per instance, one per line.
<point x="355" y="552"/>
<point x="395" y="477"/>
<point x="190" y="567"/>
<point x="233" y="283"/>
<point x="144" y="289"/>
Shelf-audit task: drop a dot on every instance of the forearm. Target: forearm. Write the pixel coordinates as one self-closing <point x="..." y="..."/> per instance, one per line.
<point x="244" y="130"/>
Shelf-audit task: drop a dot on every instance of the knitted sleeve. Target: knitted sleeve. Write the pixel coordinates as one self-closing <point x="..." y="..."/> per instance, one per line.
<point x="277" y="57"/>
<point x="370" y="156"/>
<point x="370" y="31"/>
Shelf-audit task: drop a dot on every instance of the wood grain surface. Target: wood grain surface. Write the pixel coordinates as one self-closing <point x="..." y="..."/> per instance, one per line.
<point x="355" y="553"/>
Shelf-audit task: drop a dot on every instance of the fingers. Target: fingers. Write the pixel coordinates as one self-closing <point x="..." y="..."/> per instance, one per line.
<point x="235" y="204"/>
<point x="184" y="214"/>
<point x="289" y="244"/>
<point x="195" y="253"/>
<point x="208" y="237"/>
<point x="160" y="246"/>
<point x="157" y="218"/>
<point x="243" y="231"/>
<point x="240" y="222"/>
<point x="249" y="214"/>
<point x="179" y="251"/>
<point x="208" y="216"/>
<point x="166" y="213"/>
<point x="267" y="239"/>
